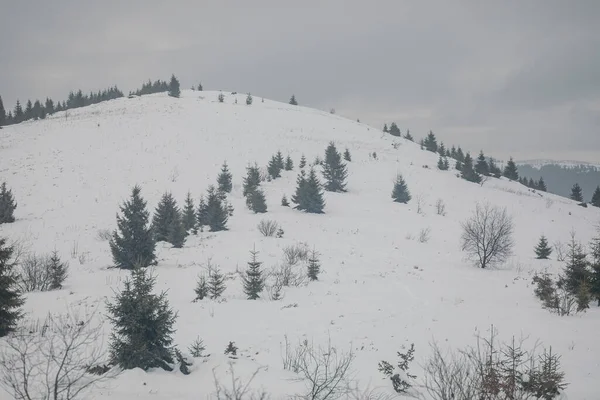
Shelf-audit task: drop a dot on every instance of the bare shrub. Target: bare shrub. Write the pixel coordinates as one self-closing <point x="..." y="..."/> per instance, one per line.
<point x="440" y="207"/>
<point x="289" y="275"/>
<point x="295" y="253"/>
<point x="35" y="273"/>
<point x="238" y="390"/>
<point x="449" y="376"/>
<point x="560" y="250"/>
<point x="83" y="257"/>
<point x="104" y="235"/>
<point x="75" y="250"/>
<point x="549" y="202"/>
<point x="420" y="200"/>
<point x="55" y="363"/>
<point x="424" y="235"/>
<point x="174" y="174"/>
<point x="268" y="227"/>
<point x="487" y="235"/>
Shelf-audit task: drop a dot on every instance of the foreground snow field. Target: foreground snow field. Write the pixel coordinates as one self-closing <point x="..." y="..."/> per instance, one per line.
<point x="381" y="288"/>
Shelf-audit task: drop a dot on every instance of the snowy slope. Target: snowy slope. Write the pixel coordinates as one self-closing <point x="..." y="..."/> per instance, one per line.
<point x="380" y="288"/>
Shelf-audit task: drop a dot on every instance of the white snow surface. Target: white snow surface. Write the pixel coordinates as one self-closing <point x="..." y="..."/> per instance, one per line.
<point x="381" y="289"/>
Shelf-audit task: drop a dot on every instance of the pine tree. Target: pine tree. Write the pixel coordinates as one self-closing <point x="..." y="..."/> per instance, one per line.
<point x="576" y="271"/>
<point x="189" y="214"/>
<point x="493" y="168"/>
<point x="314" y="266"/>
<point x="458" y="166"/>
<point x="201" y="288"/>
<point x="284" y="201"/>
<point x="440" y="163"/>
<point x="132" y="245"/>
<point x="446" y="164"/>
<point x="49" y="106"/>
<point x="400" y="193"/>
<point x="595" y="267"/>
<point x="201" y="216"/>
<point x="257" y="202"/>
<point x="510" y="171"/>
<point x="302" y="162"/>
<point x="347" y="155"/>
<point x="176" y="232"/>
<point x="18" y="113"/>
<point x="430" y="142"/>
<point x="394" y="130"/>
<point x="467" y="171"/>
<point x="37" y="110"/>
<point x="2" y="113"/>
<point x="408" y="136"/>
<point x="252" y="179"/>
<point x="280" y="161"/>
<point x="253" y="279"/>
<point x="10" y="295"/>
<point x="385" y="128"/>
<point x="273" y="168"/>
<point x="441" y="149"/>
<point x="293" y="100"/>
<point x="216" y="214"/>
<point x="313" y="196"/>
<point x="174" y="87"/>
<point x="7" y="205"/>
<point x="595" y="197"/>
<point x="289" y="164"/>
<point x="224" y="180"/>
<point x="164" y="216"/>
<point x="249" y="99"/>
<point x="298" y="197"/>
<point x="58" y="271"/>
<point x="200" y="87"/>
<point x="216" y="282"/>
<point x="541" y="185"/>
<point x="576" y="193"/>
<point x="542" y="250"/>
<point x="221" y="97"/>
<point x="482" y="167"/>
<point x="142" y="325"/>
<point x="334" y="170"/>
<point x="28" y="111"/>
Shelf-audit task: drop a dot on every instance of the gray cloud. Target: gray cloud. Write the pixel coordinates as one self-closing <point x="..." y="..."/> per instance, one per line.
<point x="518" y="78"/>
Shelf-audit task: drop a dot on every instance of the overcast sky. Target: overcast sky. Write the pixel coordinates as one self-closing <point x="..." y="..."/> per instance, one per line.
<point x="511" y="77"/>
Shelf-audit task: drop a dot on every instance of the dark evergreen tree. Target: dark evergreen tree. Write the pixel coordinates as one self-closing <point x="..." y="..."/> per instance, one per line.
<point x="201" y="216"/>
<point x="273" y="168"/>
<point x="280" y="161"/>
<point x="284" y="201"/>
<point x="302" y="162"/>
<point x="441" y="149"/>
<point x="347" y="155"/>
<point x="249" y="99"/>
<point x="200" y="87"/>
<point x="468" y="172"/>
<point x="334" y="171"/>
<point x="298" y="197"/>
<point x="385" y="128"/>
<point x="253" y="279"/>
<point x="453" y="152"/>
<point x="256" y="201"/>
<point x="58" y="271"/>
<point x="595" y="267"/>
<point x="430" y="142"/>
<point x="177" y="232"/>
<point x="221" y="97"/>
<point x="252" y="179"/>
<point x="289" y="164"/>
<point x="440" y="163"/>
<point x="400" y="193"/>
<point x="460" y="156"/>
<point x="458" y="165"/>
<point x="201" y="288"/>
<point x="510" y="171"/>
<point x="10" y="295"/>
<point x="309" y="195"/>
<point x="216" y="214"/>
<point x="49" y="106"/>
<point x="28" y="111"/>
<point x="165" y="216"/>
<point x="541" y="185"/>
<point x="595" y="196"/>
<point x="293" y="101"/>
<point x="7" y="205"/>
<point x="314" y="266"/>
<point x="174" y="87"/>
<point x="132" y="244"/>
<point x="224" y="179"/>
<point x="2" y="113"/>
<point x="482" y="167"/>
<point x="576" y="271"/>
<point x="37" y="110"/>
<point x="189" y="215"/>
<point x="18" y="113"/>
<point x="576" y="193"/>
<point x="216" y="283"/>
<point x="142" y="325"/>
<point x="542" y="250"/>
<point x="9" y="118"/>
<point x="394" y="130"/>
<point x="408" y="136"/>
<point x="446" y="164"/>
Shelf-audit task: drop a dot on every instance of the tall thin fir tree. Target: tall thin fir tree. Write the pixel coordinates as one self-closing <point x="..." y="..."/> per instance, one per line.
<point x="542" y="250"/>
<point x="201" y="217"/>
<point x="510" y="171"/>
<point x="253" y="279"/>
<point x="541" y="185"/>
<point x="10" y="294"/>
<point x="216" y="282"/>
<point x="280" y="160"/>
<point x="468" y="172"/>
<point x="400" y="193"/>
<point x="430" y="142"/>
<point x="576" y="271"/>
<point x="298" y="196"/>
<point x="595" y="197"/>
<point x="2" y="113"/>
<point x="312" y="198"/>
<point x="201" y="289"/>
<point x="385" y="128"/>
<point x="132" y="244"/>
<point x="446" y="164"/>
<point x="174" y="87"/>
<point x="289" y="163"/>
<point x="164" y="216"/>
<point x="314" y="266"/>
<point x="576" y="193"/>
<point x="58" y="271"/>
<point x="143" y="325"/>
<point x="273" y="168"/>
<point x="595" y="267"/>
<point x="441" y="149"/>
<point x="347" y="155"/>
<point x="252" y="179"/>
<point x="482" y="167"/>
<point x="7" y="205"/>
<point x="189" y="215"/>
<point x="177" y="232"/>
<point x="302" y="162"/>
<point x="216" y="214"/>
<point x="224" y="180"/>
<point x="334" y="170"/>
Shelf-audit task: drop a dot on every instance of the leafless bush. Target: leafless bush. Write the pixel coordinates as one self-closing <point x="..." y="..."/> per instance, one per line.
<point x="549" y="203"/>
<point x="560" y="250"/>
<point x="55" y="363"/>
<point x="420" y="200"/>
<point x="424" y="235"/>
<point x="449" y="376"/>
<point x="75" y="250"/>
<point x="35" y="273"/>
<point x="440" y="207"/>
<point x="174" y="174"/>
<point x="289" y="275"/>
<point x="238" y="390"/>
<point x="263" y="174"/>
<point x="83" y="257"/>
<point x="268" y="227"/>
<point x="103" y="235"/>
<point x="487" y="235"/>
<point x="484" y="179"/>
<point x="295" y="253"/>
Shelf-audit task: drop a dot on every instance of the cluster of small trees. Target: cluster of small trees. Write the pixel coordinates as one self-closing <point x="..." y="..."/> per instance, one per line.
<point x="395" y="131"/>
<point x="7" y="205"/>
<point x="39" y="110"/>
<point x="159" y="86"/>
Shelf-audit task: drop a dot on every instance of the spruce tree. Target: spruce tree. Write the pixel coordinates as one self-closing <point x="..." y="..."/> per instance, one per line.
<point x="446" y="164"/>
<point x="2" y="113"/>
<point x="252" y="179"/>
<point x="595" y="197"/>
<point x="142" y="325"/>
<point x="482" y="167"/>
<point x="440" y="163"/>
<point x="314" y="266"/>
<point x="201" y="288"/>
<point x="385" y="128"/>
<point x="334" y="170"/>
<point x="165" y="216"/>
<point x="408" y="136"/>
<point x="595" y="267"/>
<point x="18" y="113"/>
<point x="510" y="171"/>
<point x="216" y="283"/>
<point x="7" y="205"/>
<point x="253" y="279"/>
<point x="458" y="166"/>
<point x="467" y="171"/>
<point x="284" y="201"/>
<point x="176" y="232"/>
<point x="174" y="87"/>
<point x="302" y="162"/>
<point x="576" y="271"/>
<point x="28" y="111"/>
<point x="49" y="106"/>
<point x="201" y="216"/>
<point x="249" y="99"/>
<point x="441" y="149"/>
<point x="132" y="244"/>
<point x="273" y="168"/>
<point x="541" y="185"/>
<point x="394" y="130"/>
<point x="493" y="168"/>
<point x="10" y="295"/>
<point x="313" y="196"/>
<point x="293" y="100"/>
<point x="576" y="193"/>
<point x="430" y="142"/>
<point x="400" y="193"/>
<point x="224" y="180"/>
<point x="289" y="164"/>
<point x="221" y="97"/>
<point x="257" y="202"/>
<point x="37" y="110"/>
<point x="200" y="87"/>
<point x="542" y="250"/>
<point x="58" y="271"/>
<point x="298" y="197"/>
<point x="280" y="161"/>
<point x="347" y="155"/>
<point x="216" y="214"/>
<point x="189" y="214"/>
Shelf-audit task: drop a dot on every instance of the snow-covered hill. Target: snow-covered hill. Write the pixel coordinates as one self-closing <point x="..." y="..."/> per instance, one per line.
<point x="381" y="288"/>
